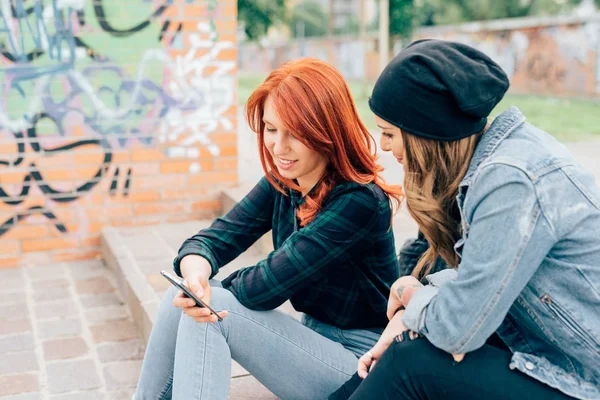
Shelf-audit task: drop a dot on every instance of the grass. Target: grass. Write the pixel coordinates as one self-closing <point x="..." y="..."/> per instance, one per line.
<point x="567" y="119"/>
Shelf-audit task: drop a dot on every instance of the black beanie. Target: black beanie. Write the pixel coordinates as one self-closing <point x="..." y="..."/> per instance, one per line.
<point x="439" y="90"/>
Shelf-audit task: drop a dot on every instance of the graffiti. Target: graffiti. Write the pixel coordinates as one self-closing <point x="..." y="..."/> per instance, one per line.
<point x="63" y="66"/>
<point x="543" y="69"/>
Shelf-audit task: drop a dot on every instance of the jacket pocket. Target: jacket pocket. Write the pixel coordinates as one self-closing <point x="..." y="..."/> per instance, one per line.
<point x="569" y="322"/>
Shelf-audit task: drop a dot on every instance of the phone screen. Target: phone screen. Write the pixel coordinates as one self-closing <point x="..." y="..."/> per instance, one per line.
<point x="175" y="281"/>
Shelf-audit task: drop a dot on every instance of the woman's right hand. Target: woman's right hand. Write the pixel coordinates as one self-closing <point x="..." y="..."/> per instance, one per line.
<point x="196" y="272"/>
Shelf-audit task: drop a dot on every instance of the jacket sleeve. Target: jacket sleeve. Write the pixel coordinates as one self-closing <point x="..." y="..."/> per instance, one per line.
<point x="232" y="234"/>
<point x="337" y="231"/>
<point x="508" y="238"/>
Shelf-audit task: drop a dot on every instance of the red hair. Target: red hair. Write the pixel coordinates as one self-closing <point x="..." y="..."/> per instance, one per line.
<point x="314" y="103"/>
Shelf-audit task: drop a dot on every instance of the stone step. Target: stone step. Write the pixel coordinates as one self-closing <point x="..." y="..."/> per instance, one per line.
<point x="137" y="255"/>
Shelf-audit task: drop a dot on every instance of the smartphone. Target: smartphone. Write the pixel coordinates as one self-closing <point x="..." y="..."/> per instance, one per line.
<point x="178" y="283"/>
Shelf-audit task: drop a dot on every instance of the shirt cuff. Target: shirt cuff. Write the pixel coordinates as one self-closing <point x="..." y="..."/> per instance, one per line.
<point x="414" y="315"/>
<point x="214" y="266"/>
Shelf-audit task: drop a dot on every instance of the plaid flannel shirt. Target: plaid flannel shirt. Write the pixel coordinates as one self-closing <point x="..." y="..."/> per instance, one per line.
<point x="337" y="269"/>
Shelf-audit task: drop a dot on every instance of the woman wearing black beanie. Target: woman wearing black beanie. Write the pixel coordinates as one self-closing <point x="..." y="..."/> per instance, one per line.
<point x="517" y="314"/>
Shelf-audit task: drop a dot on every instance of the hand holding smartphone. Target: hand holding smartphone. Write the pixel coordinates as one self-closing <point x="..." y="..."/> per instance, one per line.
<point x="178" y="283"/>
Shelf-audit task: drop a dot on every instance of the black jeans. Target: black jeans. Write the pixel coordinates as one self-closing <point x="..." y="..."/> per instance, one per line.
<point x="418" y="370"/>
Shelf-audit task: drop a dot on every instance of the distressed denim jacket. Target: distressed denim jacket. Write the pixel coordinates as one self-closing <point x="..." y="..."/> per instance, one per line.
<point x="530" y="261"/>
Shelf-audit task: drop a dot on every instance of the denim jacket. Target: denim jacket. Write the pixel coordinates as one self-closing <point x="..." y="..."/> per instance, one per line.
<point x="530" y="261"/>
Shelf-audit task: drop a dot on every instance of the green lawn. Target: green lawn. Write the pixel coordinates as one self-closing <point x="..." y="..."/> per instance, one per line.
<point x="567" y="119"/>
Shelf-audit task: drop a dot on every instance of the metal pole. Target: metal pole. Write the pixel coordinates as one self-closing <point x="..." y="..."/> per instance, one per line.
<point x="384" y="33"/>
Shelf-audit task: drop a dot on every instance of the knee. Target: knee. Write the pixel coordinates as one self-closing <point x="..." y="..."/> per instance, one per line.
<point x="413" y="357"/>
<point x="222" y="299"/>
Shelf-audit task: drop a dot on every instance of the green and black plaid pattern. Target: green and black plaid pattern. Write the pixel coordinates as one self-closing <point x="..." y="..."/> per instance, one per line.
<point x="337" y="269"/>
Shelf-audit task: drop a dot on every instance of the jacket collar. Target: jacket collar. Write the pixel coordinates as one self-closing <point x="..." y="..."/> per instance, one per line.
<point x="500" y="128"/>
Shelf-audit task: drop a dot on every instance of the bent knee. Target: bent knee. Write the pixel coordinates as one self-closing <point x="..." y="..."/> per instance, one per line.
<point x="223" y="299"/>
<point x="415" y="356"/>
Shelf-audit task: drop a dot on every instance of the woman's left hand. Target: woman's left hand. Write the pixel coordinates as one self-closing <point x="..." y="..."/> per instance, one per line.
<point x="394" y="328"/>
<point x="401" y="292"/>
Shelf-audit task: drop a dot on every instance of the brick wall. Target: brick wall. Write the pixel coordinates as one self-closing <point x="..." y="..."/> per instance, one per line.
<point x="112" y="112"/>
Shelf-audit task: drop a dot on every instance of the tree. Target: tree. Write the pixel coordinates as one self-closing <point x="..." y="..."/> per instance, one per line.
<point x="257" y="16"/>
<point x="439" y="12"/>
<point x="308" y="19"/>
<point x="402" y="18"/>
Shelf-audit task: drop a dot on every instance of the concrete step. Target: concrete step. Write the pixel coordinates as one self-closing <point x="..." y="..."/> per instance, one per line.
<point x="137" y="255"/>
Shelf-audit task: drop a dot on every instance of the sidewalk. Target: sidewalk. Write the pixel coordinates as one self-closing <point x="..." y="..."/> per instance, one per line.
<point x="66" y="334"/>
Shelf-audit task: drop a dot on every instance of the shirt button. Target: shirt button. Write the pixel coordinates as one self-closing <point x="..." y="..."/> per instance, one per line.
<point x="529" y="366"/>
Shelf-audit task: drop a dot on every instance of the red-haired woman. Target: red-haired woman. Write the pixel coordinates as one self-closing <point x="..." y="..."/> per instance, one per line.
<point x="330" y="213"/>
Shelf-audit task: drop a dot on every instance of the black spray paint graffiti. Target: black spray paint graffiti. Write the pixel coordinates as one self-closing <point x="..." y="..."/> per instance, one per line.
<point x="61" y="47"/>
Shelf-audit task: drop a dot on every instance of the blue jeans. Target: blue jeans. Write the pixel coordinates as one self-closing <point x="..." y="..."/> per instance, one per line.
<point x="294" y="360"/>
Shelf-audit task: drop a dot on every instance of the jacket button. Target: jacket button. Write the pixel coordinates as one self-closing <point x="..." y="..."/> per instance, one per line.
<point x="529" y="365"/>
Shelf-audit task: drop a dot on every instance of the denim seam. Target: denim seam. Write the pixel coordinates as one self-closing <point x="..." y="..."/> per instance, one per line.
<point x="511" y="270"/>
<point x="203" y="363"/>
<point x="291" y="342"/>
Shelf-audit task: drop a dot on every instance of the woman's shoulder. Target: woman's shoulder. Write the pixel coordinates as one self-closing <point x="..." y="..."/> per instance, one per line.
<point x="369" y="194"/>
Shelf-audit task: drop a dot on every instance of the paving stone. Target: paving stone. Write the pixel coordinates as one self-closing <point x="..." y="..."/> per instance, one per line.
<point x="14" y="343"/>
<point x="64" y="348"/>
<point x="54" y="309"/>
<point x="106" y="313"/>
<point x="122" y="374"/>
<point x="13" y="273"/>
<point x="88" y="269"/>
<point x="155" y="266"/>
<point x="59" y="328"/>
<point x="122" y="394"/>
<point x="17" y="384"/>
<point x="72" y="375"/>
<point x="81" y="395"/>
<point x="121" y="351"/>
<point x="12" y="285"/>
<point x="158" y="282"/>
<point x="51" y="293"/>
<point x="16" y="363"/>
<point x="26" y="396"/>
<point x="8" y="298"/>
<point x="248" y="388"/>
<point x="45" y="273"/>
<point x="96" y="285"/>
<point x="14" y="311"/>
<point x="237" y="370"/>
<point x="9" y="327"/>
<point x="113" y="331"/>
<point x="40" y="285"/>
<point x="101" y="300"/>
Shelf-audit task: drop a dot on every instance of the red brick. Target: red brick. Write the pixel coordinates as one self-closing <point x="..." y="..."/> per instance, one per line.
<point x="26" y="231"/>
<point x="75" y="255"/>
<point x="113" y="331"/>
<point x="59" y="349"/>
<point x="49" y="244"/>
<point x="16" y="384"/>
<point x="8" y="247"/>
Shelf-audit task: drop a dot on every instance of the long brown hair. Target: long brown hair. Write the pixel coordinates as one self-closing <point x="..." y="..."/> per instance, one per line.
<point x="432" y="177"/>
<point x="314" y="103"/>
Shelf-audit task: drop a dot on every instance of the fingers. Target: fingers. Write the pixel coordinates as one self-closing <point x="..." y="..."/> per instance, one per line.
<point x="182" y="301"/>
<point x="364" y="363"/>
<point x="408" y="293"/>
<point x="458" y="357"/>
<point x="203" y="315"/>
<point x="195" y="286"/>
